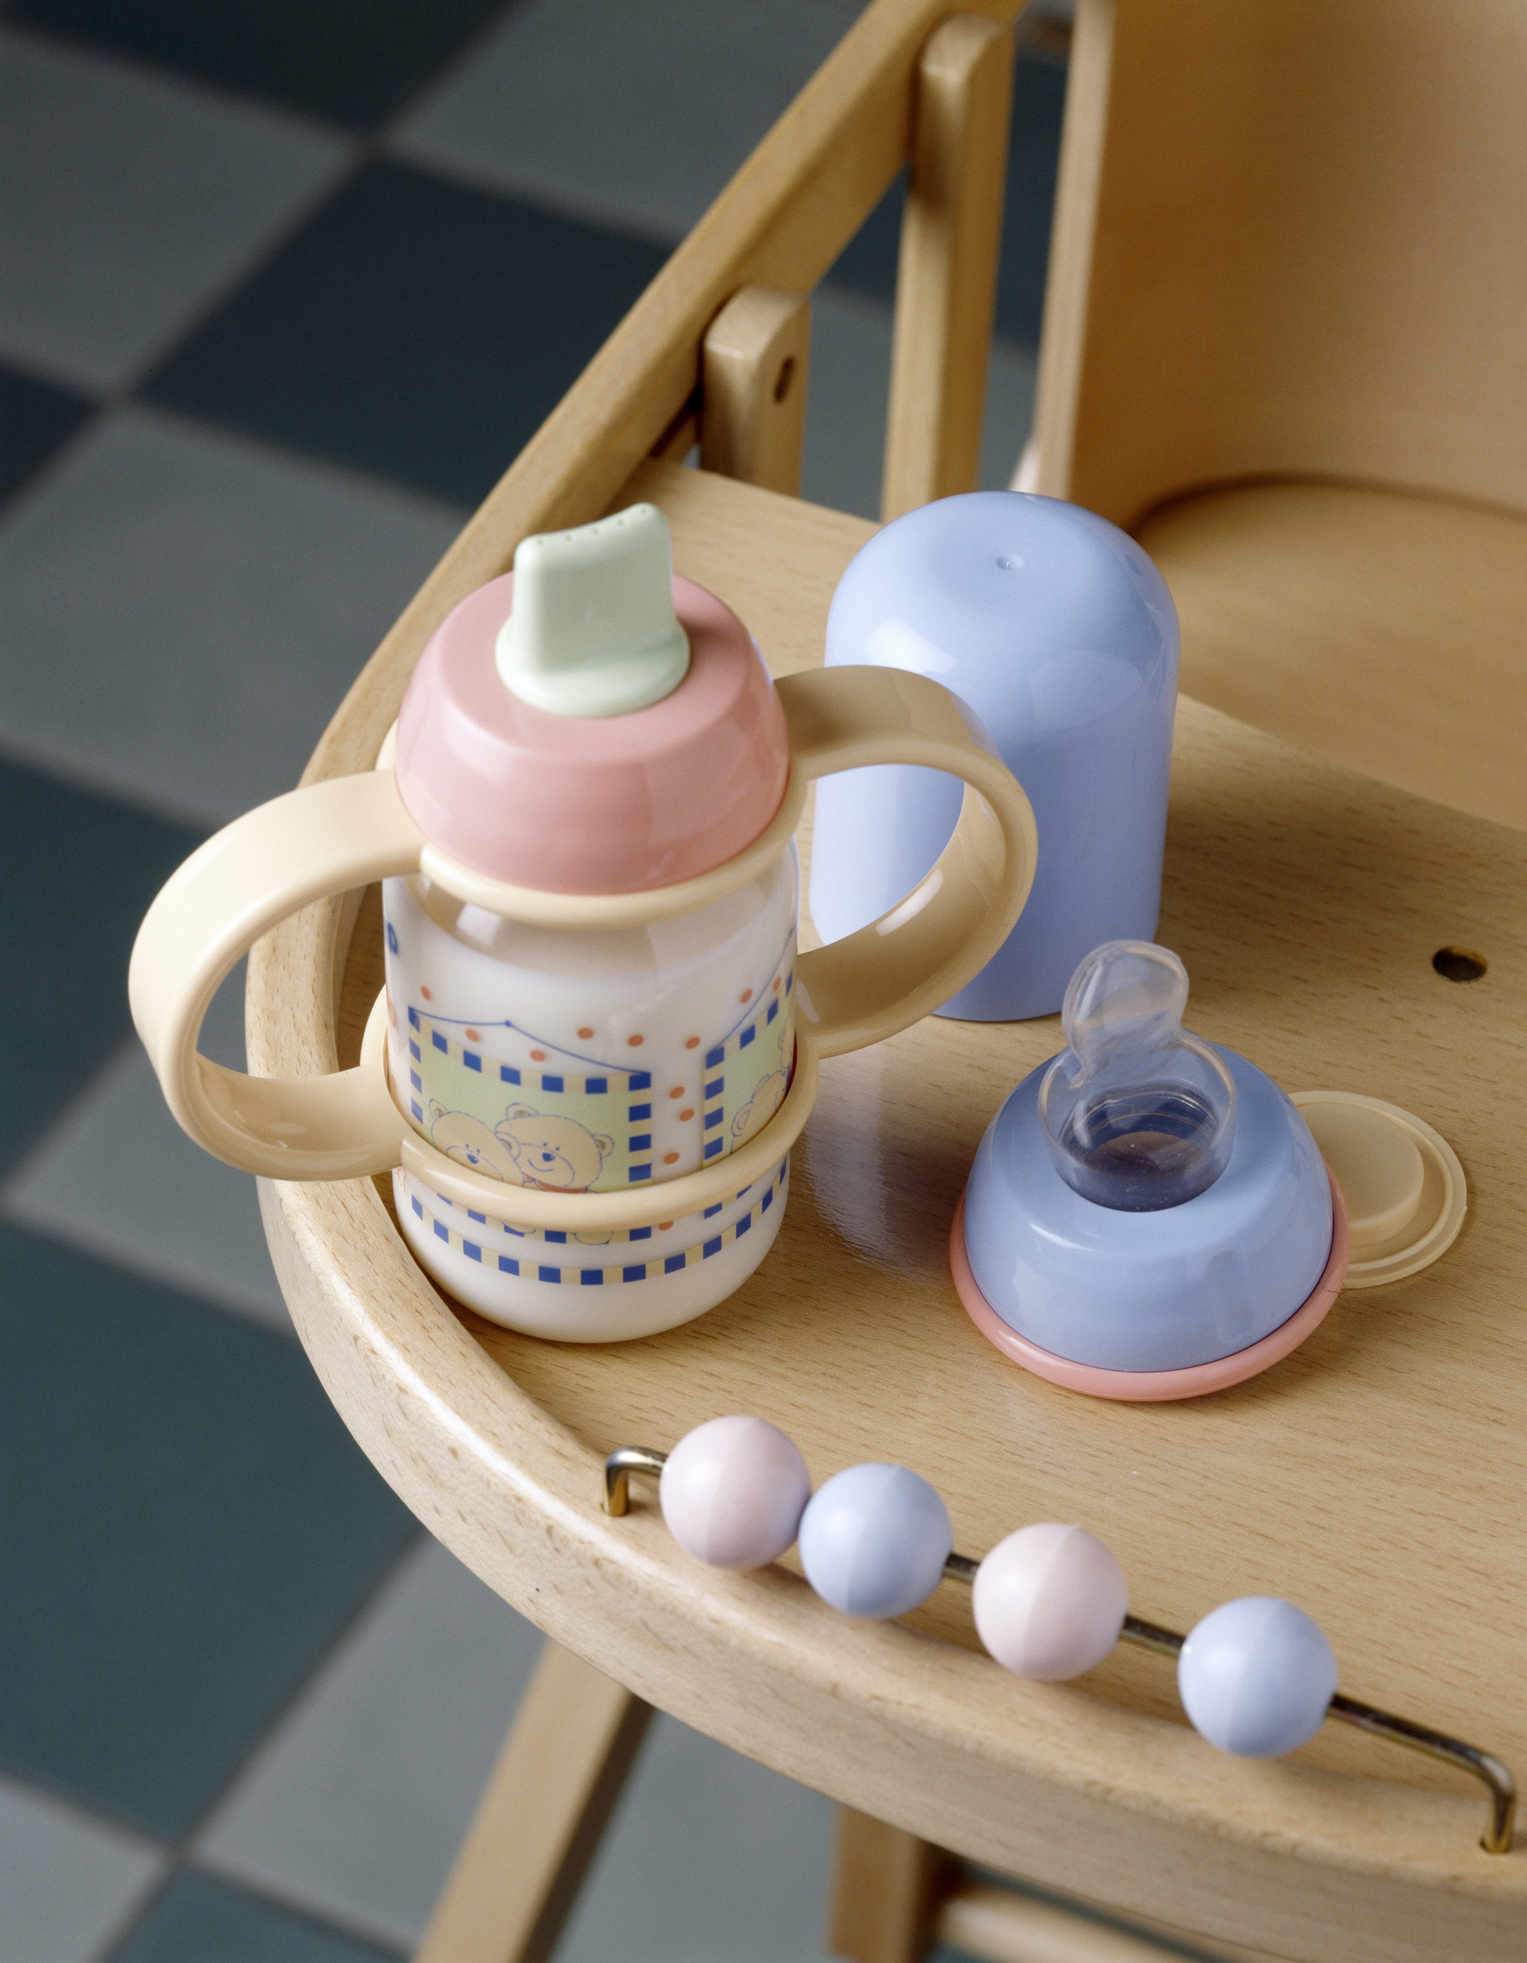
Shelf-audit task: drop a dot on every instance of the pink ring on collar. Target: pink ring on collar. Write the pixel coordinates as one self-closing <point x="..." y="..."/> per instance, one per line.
<point x="1157" y="1386"/>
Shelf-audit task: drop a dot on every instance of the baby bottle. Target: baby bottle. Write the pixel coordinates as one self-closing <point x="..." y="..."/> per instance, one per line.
<point x="587" y="1057"/>
<point x="597" y="1040"/>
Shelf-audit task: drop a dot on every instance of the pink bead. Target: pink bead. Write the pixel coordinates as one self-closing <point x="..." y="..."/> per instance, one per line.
<point x="1049" y="1602"/>
<point x="733" y="1492"/>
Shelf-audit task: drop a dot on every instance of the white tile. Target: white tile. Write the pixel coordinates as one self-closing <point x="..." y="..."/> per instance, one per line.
<point x="633" y="115"/>
<point x="358" y="1803"/>
<point x="68" y="1882"/>
<point x="116" y="1177"/>
<point x="182" y="610"/>
<point x="129" y="201"/>
<point x="710" y="1859"/>
<point x="846" y="403"/>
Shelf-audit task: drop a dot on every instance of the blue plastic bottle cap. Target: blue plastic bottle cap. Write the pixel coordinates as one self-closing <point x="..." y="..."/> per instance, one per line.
<point x="1256" y="1676"/>
<point x="1057" y="632"/>
<point x="874" y="1540"/>
<point x="1144" y="1202"/>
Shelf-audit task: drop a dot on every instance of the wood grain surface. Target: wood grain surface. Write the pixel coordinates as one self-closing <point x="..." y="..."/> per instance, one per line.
<point x="755" y="364"/>
<point x="1290" y="240"/>
<point x="1372" y="1477"/>
<point x="1400" y="624"/>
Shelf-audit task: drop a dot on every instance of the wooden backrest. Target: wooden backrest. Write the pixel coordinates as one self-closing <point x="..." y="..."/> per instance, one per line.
<point x="1291" y="240"/>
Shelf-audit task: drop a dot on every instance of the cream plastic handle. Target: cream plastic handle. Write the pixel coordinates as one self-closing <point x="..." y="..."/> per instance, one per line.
<point x="893" y="972"/>
<point x="349" y="831"/>
<point x="323" y="839"/>
<point x="858" y="990"/>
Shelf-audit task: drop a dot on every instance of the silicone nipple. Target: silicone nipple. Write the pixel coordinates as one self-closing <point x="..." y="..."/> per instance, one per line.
<point x="593" y="631"/>
<point x="1138" y="1113"/>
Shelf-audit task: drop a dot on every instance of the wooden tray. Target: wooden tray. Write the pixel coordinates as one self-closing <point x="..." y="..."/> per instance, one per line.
<point x="1374" y="1476"/>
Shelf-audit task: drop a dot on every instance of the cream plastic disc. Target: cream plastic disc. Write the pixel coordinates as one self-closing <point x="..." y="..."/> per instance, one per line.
<point x="1404" y="1187"/>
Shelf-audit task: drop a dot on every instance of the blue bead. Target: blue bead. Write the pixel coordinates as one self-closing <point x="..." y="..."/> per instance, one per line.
<point x="874" y="1540"/>
<point x="1255" y="1677"/>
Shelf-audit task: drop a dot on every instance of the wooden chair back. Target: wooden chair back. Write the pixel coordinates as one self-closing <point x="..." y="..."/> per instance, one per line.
<point x="1291" y="241"/>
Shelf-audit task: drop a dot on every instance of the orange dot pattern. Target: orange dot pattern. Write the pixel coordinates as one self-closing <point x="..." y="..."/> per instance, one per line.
<point x="585" y="1034"/>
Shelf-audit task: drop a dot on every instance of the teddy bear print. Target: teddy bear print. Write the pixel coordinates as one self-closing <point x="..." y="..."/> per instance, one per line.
<point x="556" y="1153"/>
<point x="760" y="1107"/>
<point x="469" y="1142"/>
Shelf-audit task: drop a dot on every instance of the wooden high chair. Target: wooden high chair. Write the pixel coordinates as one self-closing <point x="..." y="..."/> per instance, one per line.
<point x="1244" y="361"/>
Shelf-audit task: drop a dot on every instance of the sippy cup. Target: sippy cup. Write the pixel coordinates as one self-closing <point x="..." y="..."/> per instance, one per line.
<point x="597" y="1040"/>
<point x="1148" y="1216"/>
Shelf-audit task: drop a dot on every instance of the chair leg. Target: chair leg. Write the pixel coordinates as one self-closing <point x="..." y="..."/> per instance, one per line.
<point x="572" y="1744"/>
<point x="886" y="1891"/>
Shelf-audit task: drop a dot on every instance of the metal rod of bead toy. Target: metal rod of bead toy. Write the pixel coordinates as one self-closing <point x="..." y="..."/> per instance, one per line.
<point x="1496" y="1838"/>
<point x="1150" y="1635"/>
<point x="1399" y="1731"/>
<point x="618" y="1468"/>
<point x="1498" y="1778"/>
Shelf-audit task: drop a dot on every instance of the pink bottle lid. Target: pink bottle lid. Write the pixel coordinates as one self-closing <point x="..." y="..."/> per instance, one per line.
<point x="591" y="803"/>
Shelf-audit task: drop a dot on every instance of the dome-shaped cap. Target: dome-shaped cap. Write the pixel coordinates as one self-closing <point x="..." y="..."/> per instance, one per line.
<point x="576" y="802"/>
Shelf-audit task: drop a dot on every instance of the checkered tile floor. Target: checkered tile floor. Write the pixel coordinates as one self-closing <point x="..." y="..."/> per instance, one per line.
<point x="286" y="284"/>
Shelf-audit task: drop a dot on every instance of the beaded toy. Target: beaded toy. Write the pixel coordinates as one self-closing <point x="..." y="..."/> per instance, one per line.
<point x="1257" y="1676"/>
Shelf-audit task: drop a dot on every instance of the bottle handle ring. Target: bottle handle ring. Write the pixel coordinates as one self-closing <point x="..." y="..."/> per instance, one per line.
<point x="346" y="832"/>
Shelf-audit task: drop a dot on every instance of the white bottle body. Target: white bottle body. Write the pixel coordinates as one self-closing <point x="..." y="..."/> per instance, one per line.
<point x="591" y="1061"/>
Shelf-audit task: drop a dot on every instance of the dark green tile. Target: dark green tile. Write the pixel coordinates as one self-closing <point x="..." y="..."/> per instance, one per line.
<point x="1033" y="159"/>
<point x="868" y="263"/>
<point x="412" y="328"/>
<point x="83" y="870"/>
<point x="356" y="61"/>
<point x="35" y="417"/>
<point x="198" y="1920"/>
<point x="186" y="1527"/>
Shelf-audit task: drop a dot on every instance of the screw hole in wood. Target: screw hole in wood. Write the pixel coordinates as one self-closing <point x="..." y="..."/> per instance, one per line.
<point x="1459" y="964"/>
